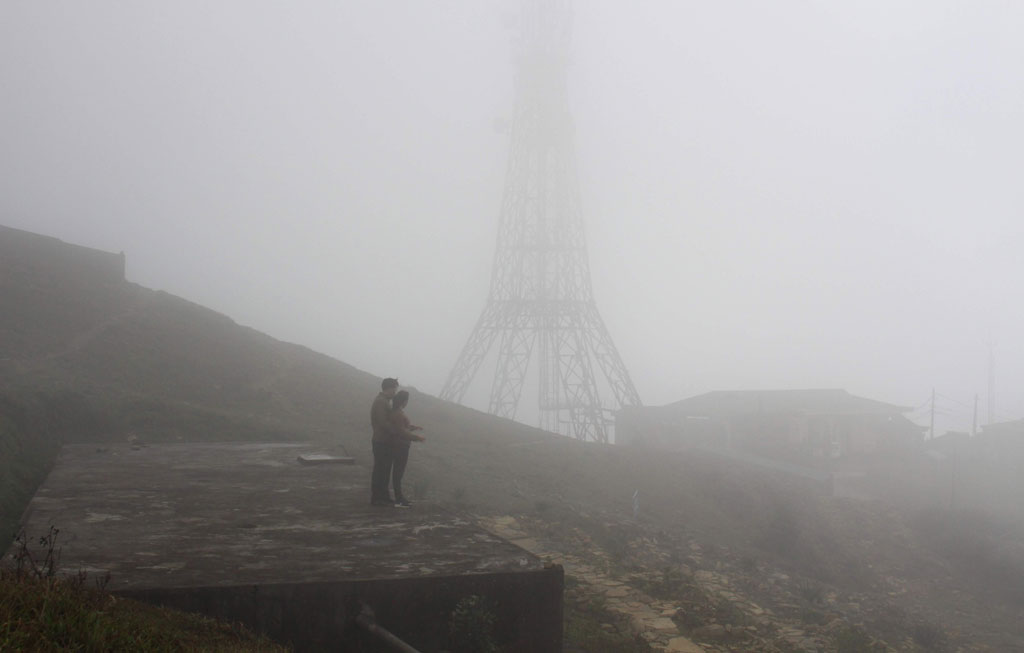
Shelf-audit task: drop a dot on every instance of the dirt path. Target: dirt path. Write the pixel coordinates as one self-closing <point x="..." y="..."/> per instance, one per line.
<point x="592" y="576"/>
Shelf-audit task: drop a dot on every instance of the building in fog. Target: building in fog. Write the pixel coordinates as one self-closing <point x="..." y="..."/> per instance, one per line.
<point x="798" y="425"/>
<point x="1002" y="441"/>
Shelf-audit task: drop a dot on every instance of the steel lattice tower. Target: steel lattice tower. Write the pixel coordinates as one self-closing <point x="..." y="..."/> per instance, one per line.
<point x="540" y="294"/>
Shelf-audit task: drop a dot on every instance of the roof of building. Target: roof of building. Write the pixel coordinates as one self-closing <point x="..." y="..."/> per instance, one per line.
<point x="804" y="402"/>
<point x="1013" y="429"/>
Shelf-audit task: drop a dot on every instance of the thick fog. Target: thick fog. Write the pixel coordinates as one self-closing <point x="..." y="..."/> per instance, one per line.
<point x="777" y="195"/>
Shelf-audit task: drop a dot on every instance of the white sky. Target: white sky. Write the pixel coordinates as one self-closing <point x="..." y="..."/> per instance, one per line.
<point x="777" y="195"/>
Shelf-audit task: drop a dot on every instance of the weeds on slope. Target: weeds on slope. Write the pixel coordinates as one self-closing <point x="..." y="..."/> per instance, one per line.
<point x="43" y="611"/>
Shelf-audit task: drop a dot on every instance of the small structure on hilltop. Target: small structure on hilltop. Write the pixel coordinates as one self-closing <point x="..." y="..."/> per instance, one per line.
<point x="23" y="253"/>
<point x="798" y="425"/>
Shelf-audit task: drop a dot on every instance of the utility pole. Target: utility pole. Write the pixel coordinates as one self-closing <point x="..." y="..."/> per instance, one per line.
<point x="991" y="383"/>
<point x="540" y="306"/>
<point x="952" y="473"/>
<point x="931" y="429"/>
<point x="974" y="423"/>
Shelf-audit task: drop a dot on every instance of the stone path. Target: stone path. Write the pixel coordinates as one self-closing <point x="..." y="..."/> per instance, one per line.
<point x="648" y="617"/>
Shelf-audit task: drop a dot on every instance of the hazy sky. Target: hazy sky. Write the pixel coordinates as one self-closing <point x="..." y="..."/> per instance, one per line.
<point x="777" y="195"/>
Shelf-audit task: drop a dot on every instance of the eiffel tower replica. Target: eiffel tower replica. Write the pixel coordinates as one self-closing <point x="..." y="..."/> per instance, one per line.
<point x="541" y="306"/>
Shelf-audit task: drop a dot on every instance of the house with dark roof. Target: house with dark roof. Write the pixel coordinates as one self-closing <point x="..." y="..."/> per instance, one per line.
<point x="798" y="425"/>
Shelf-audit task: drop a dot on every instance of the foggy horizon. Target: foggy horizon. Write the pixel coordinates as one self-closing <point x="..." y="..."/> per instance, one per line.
<point x="793" y="196"/>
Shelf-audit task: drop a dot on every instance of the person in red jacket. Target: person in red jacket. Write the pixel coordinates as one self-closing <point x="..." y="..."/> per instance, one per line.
<point x="403" y="432"/>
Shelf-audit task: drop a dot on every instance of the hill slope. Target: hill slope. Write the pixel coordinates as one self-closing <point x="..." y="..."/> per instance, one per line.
<point x="748" y="560"/>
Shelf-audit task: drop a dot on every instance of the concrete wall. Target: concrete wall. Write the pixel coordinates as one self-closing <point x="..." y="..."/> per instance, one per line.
<point x="28" y="253"/>
<point x="320" y="616"/>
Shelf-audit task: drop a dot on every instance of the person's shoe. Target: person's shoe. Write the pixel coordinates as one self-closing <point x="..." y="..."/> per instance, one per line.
<point x="402" y="503"/>
<point x="382" y="502"/>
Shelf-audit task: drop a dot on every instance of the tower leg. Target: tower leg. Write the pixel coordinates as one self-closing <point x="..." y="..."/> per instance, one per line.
<point x="513" y="361"/>
<point x="472" y="355"/>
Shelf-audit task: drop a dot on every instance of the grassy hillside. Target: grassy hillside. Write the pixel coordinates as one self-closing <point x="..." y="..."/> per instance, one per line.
<point x="111" y="362"/>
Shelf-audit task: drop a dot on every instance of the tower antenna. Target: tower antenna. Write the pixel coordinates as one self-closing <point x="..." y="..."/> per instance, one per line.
<point x="540" y="304"/>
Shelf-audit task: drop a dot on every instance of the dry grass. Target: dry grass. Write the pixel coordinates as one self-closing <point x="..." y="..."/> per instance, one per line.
<point x="42" y="611"/>
<point x="65" y="614"/>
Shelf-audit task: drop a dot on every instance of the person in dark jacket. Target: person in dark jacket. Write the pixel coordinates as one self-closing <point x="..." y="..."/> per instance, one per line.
<point x="383" y="444"/>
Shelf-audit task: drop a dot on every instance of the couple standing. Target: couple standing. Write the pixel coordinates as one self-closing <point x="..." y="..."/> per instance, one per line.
<point x="392" y="434"/>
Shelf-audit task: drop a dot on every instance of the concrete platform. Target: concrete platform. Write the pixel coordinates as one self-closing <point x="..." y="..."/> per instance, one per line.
<point x="246" y="532"/>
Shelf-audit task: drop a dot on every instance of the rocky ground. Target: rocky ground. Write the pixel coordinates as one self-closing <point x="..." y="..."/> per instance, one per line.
<point x="677" y="595"/>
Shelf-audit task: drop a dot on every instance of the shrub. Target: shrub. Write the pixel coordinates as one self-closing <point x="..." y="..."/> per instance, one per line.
<point x="853" y="640"/>
<point x="781" y="532"/>
<point x="472" y="626"/>
<point x="929" y="637"/>
<point x="811" y="593"/>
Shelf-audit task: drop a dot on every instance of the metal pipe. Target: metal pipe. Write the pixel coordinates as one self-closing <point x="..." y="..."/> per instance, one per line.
<point x="367" y="621"/>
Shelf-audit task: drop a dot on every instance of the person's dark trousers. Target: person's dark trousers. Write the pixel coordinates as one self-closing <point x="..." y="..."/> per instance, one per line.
<point x="398" y="471"/>
<point x="383" y="459"/>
